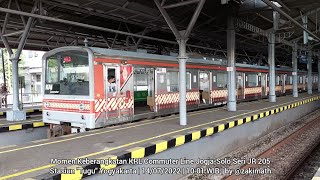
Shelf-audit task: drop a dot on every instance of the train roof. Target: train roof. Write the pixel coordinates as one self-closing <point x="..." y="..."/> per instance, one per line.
<point x="141" y="55"/>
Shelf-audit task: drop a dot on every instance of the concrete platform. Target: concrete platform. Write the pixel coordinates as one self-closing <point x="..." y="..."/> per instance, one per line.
<point x="20" y="132"/>
<point x="14" y="126"/>
<point x="145" y="138"/>
<point x="34" y="120"/>
<point x="29" y="110"/>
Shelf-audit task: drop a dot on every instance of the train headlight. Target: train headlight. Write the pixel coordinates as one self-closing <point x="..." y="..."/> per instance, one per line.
<point x="46" y="104"/>
<point x="81" y="107"/>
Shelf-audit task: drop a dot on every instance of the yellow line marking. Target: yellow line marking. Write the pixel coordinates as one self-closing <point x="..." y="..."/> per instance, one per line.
<point x="209" y="131"/>
<point x="133" y="143"/>
<point x="102" y="132"/>
<point x="38" y="124"/>
<point x="40" y="140"/>
<point x="29" y="110"/>
<point x="195" y="135"/>
<point x="180" y="140"/>
<point x="27" y="171"/>
<point x="15" y="127"/>
<point x="161" y="146"/>
<point x="231" y="124"/>
<point x="23" y="122"/>
<point x="240" y="121"/>
<point x="221" y="128"/>
<point x="137" y="152"/>
<point x="4" y="147"/>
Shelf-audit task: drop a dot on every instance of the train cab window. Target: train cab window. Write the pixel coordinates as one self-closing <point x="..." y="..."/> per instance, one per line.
<point x="52" y="70"/>
<point x="253" y="80"/>
<point x="222" y="79"/>
<point x="67" y="73"/>
<point x="172" y="81"/>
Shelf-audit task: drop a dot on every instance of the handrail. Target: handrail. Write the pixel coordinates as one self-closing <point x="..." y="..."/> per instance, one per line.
<point x="33" y="99"/>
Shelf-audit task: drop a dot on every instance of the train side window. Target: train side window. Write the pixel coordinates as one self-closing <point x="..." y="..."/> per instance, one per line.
<point x="112" y="80"/>
<point x="278" y="80"/>
<point x="188" y="81"/>
<point x="204" y="81"/>
<point x="172" y="81"/>
<point x="140" y="80"/>
<point x="290" y="79"/>
<point x="252" y="80"/>
<point x="222" y="80"/>
<point x="194" y="78"/>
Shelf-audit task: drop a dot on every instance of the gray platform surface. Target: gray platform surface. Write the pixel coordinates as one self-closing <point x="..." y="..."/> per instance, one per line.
<point x="32" y="159"/>
<point x="25" y="107"/>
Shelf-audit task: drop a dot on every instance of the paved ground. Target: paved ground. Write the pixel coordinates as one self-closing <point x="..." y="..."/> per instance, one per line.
<point x="33" y="158"/>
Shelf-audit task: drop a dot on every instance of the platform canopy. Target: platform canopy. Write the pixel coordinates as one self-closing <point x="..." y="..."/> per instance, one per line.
<point x="138" y="24"/>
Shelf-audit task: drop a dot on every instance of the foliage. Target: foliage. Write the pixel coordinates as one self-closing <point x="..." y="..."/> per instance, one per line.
<point x="8" y="67"/>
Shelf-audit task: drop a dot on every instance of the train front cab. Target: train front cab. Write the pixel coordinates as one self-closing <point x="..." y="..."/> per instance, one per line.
<point x="68" y="87"/>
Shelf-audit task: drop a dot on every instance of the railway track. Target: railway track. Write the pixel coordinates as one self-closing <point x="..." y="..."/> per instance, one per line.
<point x="289" y="154"/>
<point x="308" y="167"/>
<point x="284" y="151"/>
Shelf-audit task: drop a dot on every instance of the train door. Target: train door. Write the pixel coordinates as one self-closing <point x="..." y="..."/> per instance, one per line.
<point x="142" y="84"/>
<point x="240" y="85"/>
<point x="151" y="86"/>
<point x="112" y="91"/>
<point x="264" y="84"/>
<point x="300" y="83"/>
<point x="278" y="86"/>
<point x="126" y="93"/>
<point x="283" y="83"/>
<point x="159" y="98"/>
<point x="204" y="86"/>
<point x="304" y="82"/>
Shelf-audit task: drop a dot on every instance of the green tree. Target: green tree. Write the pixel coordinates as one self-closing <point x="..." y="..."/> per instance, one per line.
<point x="8" y="67"/>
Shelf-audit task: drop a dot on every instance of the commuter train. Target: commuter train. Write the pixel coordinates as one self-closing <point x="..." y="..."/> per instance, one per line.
<point x="87" y="88"/>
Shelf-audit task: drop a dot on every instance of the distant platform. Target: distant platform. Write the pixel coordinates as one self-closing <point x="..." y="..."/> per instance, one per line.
<point x="34" y="120"/>
<point x="29" y="109"/>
